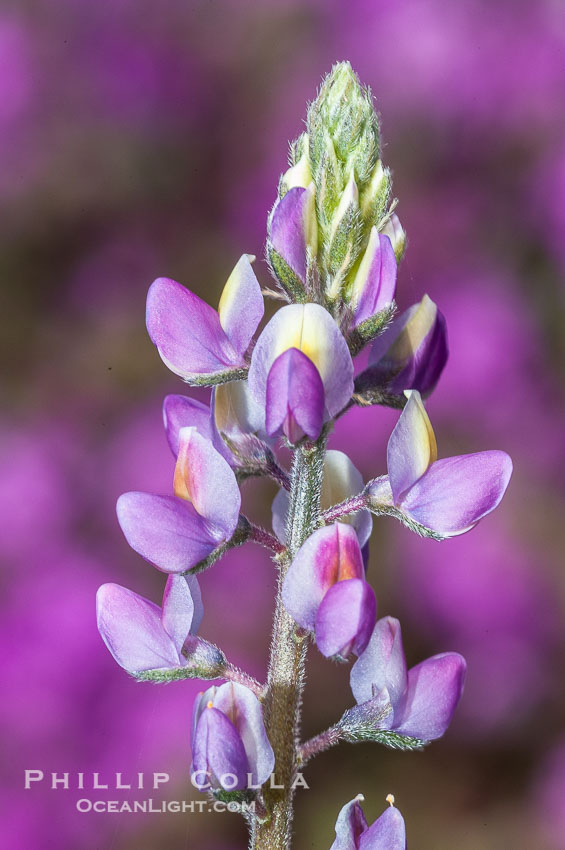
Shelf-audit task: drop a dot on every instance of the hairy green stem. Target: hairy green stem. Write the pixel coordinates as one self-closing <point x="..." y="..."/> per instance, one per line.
<point x="286" y="678"/>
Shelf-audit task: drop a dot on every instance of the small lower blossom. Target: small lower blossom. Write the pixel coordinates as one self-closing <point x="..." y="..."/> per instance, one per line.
<point x="352" y="831"/>
<point x="422" y="700"/>
<point x="230" y="748"/>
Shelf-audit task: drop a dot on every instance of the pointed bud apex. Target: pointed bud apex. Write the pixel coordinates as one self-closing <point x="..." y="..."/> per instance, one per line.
<point x="298" y="174"/>
<point x="397" y="235"/>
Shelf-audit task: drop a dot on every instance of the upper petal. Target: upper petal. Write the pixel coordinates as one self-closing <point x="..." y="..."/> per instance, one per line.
<point x="180" y="411"/>
<point x="434" y="689"/>
<point x="350" y="825"/>
<point x="203" y="477"/>
<point x="381" y="665"/>
<point x="182" y="608"/>
<point x="411" y="448"/>
<point x="164" y="530"/>
<point x="311" y="329"/>
<point x="244" y="709"/>
<point x="456" y="492"/>
<point x="330" y="554"/>
<point x="131" y="628"/>
<point x="187" y="331"/>
<point x="295" y="397"/>
<point x="346" y="618"/>
<point x="241" y="305"/>
<point x="291" y="228"/>
<point x="387" y="833"/>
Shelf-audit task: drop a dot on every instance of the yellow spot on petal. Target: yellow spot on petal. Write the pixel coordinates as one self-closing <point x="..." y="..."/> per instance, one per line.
<point x="181" y="478"/>
<point x="211" y="705"/>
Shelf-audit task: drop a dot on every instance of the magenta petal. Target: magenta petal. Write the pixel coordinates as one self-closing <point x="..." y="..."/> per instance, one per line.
<point x="434" y="689"/>
<point x="295" y="397"/>
<point x="381" y="665"/>
<point x="164" y="530"/>
<point x="243" y="707"/>
<point x="187" y="331"/>
<point x="350" y="825"/>
<point x="330" y="553"/>
<point x="182" y="608"/>
<point x="131" y="628"/>
<point x="180" y="411"/>
<point x="456" y="492"/>
<point x="387" y="833"/>
<point x="218" y="751"/>
<point x="345" y="618"/>
<point x="287" y="232"/>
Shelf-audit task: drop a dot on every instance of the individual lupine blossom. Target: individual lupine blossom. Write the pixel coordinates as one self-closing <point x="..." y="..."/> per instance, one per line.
<point x="141" y="635"/>
<point x="341" y="479"/>
<point x="325" y="591"/>
<point x="352" y="832"/>
<point x="230" y="748"/>
<point x="410" y="354"/>
<point x="196" y="342"/>
<point x="174" y="533"/>
<point x="422" y="700"/>
<point x="447" y="496"/>
<point x="301" y="371"/>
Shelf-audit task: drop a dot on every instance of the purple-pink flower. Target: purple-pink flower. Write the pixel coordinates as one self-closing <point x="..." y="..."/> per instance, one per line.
<point x="447" y="496"/>
<point x="230" y="748"/>
<point x="411" y="353"/>
<point x="352" y="832"/>
<point x="140" y="635"/>
<point x="301" y="371"/>
<point x="175" y="532"/>
<point x="194" y="340"/>
<point x="325" y="591"/>
<point x="422" y="700"/>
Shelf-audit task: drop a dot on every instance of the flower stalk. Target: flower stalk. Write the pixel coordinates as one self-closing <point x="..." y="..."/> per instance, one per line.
<point x="286" y="678"/>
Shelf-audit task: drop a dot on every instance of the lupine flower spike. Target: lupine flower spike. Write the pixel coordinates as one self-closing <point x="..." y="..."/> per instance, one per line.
<point x="334" y="245"/>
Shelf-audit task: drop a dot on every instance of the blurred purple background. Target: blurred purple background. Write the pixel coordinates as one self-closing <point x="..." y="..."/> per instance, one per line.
<point x="140" y="139"/>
